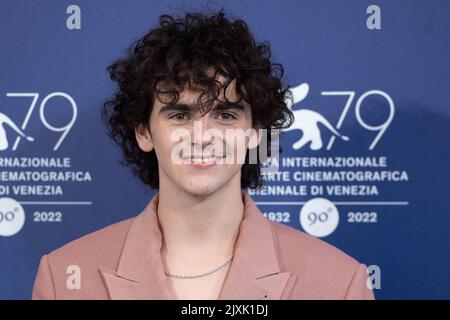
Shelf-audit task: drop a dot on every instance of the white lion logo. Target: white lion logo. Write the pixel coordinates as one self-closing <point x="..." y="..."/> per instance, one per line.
<point x="307" y="121"/>
<point x="4" y="119"/>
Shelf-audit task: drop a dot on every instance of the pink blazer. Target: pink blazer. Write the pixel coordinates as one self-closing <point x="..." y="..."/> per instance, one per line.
<point x="272" y="261"/>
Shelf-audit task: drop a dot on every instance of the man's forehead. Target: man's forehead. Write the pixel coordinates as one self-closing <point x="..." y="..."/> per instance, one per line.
<point x="194" y="96"/>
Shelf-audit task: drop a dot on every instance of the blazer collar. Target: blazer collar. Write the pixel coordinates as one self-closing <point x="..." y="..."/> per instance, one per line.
<point x="254" y="272"/>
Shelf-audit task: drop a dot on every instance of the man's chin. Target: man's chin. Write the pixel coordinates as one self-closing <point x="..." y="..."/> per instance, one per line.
<point x="201" y="190"/>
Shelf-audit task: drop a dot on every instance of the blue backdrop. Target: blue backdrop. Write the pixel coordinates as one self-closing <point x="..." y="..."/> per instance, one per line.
<point x="374" y="72"/>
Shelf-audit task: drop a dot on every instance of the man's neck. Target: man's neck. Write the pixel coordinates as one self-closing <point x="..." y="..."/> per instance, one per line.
<point x="198" y="226"/>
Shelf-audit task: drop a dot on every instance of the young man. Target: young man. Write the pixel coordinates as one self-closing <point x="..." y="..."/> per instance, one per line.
<point x="201" y="236"/>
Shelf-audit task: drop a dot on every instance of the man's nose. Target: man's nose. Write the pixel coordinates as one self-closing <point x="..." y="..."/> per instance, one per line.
<point x="200" y="137"/>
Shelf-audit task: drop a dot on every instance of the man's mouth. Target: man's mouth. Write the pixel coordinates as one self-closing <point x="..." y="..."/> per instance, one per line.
<point x="203" y="160"/>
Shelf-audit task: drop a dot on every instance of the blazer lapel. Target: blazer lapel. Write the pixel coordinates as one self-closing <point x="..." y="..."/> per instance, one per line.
<point x="253" y="274"/>
<point x="140" y="273"/>
<point x="255" y="271"/>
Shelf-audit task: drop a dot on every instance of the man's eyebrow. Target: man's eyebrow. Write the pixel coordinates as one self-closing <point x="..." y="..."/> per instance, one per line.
<point x="228" y="106"/>
<point x="175" y="107"/>
<point x="187" y="107"/>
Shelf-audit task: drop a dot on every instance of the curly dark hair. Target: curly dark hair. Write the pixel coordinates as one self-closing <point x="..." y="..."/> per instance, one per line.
<point x="177" y="53"/>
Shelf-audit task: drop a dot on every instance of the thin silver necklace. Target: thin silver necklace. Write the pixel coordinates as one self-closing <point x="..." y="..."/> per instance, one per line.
<point x="201" y="274"/>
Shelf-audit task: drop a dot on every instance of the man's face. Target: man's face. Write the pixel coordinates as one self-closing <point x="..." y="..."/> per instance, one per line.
<point x="199" y="153"/>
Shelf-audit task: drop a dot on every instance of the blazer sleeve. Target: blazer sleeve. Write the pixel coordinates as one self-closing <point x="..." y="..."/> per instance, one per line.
<point x="358" y="288"/>
<point x="44" y="288"/>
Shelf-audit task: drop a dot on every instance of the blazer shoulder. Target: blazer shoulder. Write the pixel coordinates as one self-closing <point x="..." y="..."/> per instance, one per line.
<point x="81" y="258"/>
<point x="101" y="247"/>
<point x="300" y="251"/>
<point x="323" y="271"/>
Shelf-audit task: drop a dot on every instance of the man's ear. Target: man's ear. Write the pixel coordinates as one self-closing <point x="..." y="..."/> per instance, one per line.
<point x="255" y="138"/>
<point x="143" y="138"/>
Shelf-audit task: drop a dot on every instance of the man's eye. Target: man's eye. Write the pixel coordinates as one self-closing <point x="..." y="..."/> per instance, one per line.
<point x="227" y="116"/>
<point x="178" y="116"/>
